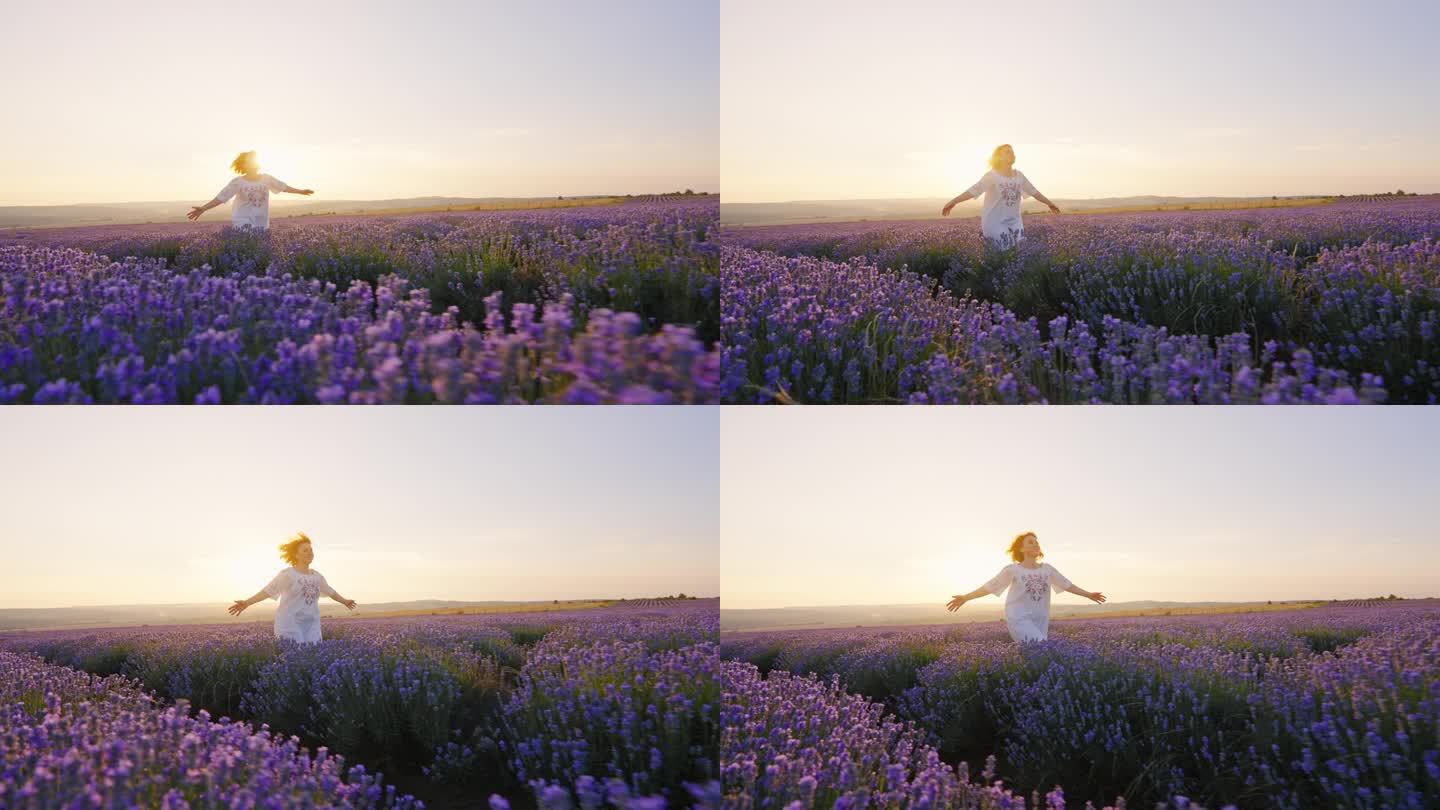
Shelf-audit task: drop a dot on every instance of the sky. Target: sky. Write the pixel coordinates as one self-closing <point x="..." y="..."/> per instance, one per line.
<point x="185" y="505"/>
<point x="842" y="99"/>
<point x="855" y="506"/>
<point x="360" y="99"/>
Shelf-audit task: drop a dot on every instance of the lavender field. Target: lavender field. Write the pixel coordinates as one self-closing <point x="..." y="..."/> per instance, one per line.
<point x="1327" y="304"/>
<point x="1335" y="706"/>
<point x="613" y="707"/>
<point x="613" y="304"/>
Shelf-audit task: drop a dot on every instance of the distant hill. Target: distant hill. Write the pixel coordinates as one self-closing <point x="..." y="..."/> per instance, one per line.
<point x="810" y="211"/>
<point x="798" y="618"/>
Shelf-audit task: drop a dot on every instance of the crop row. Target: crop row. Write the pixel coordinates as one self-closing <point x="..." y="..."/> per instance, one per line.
<point x="616" y="709"/>
<point x="559" y="306"/>
<point x="1331" y="706"/>
<point x="1313" y="305"/>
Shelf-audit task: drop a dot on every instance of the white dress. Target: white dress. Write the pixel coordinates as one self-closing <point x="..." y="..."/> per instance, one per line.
<point x="1027" y="607"/>
<point x="252" y="200"/>
<point x="298" y="616"/>
<point x="1000" y="212"/>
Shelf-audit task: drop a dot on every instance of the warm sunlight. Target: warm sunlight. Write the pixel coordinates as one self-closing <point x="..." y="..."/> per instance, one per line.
<point x="853" y="506"/>
<point x="833" y="101"/>
<point x="188" y="505"/>
<point x="150" y="102"/>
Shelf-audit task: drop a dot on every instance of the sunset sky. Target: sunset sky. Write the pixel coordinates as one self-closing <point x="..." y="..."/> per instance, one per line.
<point x="184" y="505"/>
<point x="852" y="506"/>
<point x="150" y="101"/>
<point x="842" y="99"/>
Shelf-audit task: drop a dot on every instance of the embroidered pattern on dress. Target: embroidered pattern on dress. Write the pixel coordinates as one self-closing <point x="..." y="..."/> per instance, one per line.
<point x="310" y="590"/>
<point x="1034" y="585"/>
<point x="1010" y="193"/>
<point x="253" y="194"/>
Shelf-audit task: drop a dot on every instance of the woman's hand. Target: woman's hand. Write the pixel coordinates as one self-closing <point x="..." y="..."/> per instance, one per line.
<point x="306" y="191"/>
<point x="239" y="606"/>
<point x="945" y="212"/>
<point x="1095" y="597"/>
<point x="955" y="603"/>
<point x="1054" y="209"/>
<point x="349" y="603"/>
<point x="195" y="213"/>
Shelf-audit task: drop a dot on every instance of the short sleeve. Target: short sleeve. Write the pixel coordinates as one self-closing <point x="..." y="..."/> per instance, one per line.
<point x="980" y="186"/>
<point x="278" y="585"/>
<point x="228" y="191"/>
<point x="273" y="184"/>
<point x="1000" y="581"/>
<point x="1025" y="185"/>
<point x="1058" y="582"/>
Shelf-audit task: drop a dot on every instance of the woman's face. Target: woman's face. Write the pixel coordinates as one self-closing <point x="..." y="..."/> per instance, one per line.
<point x="1031" y="545"/>
<point x="251" y="164"/>
<point x="1007" y="156"/>
<point x="304" y="554"/>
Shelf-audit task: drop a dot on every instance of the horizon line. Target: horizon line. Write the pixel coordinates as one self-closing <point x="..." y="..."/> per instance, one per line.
<point x="1113" y="197"/>
<point x="1108" y="602"/>
<point x="546" y="600"/>
<point x="311" y="200"/>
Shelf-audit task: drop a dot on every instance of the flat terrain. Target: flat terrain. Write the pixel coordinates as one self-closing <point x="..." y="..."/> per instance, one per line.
<point x="802" y="212"/>
<point x="899" y="616"/>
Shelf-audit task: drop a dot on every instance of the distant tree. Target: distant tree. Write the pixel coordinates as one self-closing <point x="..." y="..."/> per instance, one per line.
<point x="682" y="596"/>
<point x="556" y="602"/>
<point x="1268" y="602"/>
<point x="561" y="197"/>
<point x="1273" y="197"/>
<point x="1342" y="196"/>
<point x="1391" y="597"/>
<point x="1400" y="192"/>
<point x="689" y="192"/>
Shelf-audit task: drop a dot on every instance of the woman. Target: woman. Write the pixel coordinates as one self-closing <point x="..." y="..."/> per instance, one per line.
<point x="1027" y="608"/>
<point x="1003" y="188"/>
<point x="252" y="192"/>
<point x="298" y="588"/>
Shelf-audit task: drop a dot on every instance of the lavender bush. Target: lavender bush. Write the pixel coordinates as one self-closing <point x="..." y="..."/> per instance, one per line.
<point x="560" y="306"/>
<point x="1327" y="304"/>
<point x="450" y="707"/>
<point x="69" y="739"/>
<point x="1333" y="706"/>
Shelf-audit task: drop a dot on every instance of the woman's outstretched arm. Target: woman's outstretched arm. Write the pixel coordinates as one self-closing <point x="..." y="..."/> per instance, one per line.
<point x="291" y="189"/>
<point x="200" y="209"/>
<point x="349" y="603"/>
<point x="1094" y="596"/>
<point x="220" y="199"/>
<point x="334" y="594"/>
<point x="945" y="212"/>
<point x="1030" y="189"/>
<point x="1054" y="209"/>
<point x="240" y="604"/>
<point x="961" y="599"/>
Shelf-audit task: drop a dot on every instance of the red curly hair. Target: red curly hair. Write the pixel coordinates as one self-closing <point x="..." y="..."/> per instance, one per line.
<point x="1015" y="553"/>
